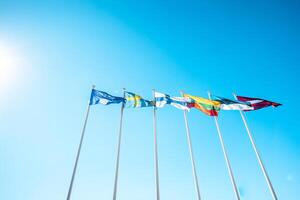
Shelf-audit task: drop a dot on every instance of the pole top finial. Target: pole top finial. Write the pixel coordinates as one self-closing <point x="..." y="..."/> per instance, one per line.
<point x="209" y="94"/>
<point x="181" y="92"/>
<point x="93" y="86"/>
<point x="234" y="95"/>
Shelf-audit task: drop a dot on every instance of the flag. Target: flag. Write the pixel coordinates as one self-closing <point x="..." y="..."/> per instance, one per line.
<point x="257" y="103"/>
<point x="179" y="102"/>
<point x="228" y="104"/>
<point x="207" y="106"/>
<point x="104" y="98"/>
<point x="136" y="101"/>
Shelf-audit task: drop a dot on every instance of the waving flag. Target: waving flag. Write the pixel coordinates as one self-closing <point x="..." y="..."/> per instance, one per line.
<point x="207" y="106"/>
<point x="179" y="102"/>
<point x="257" y="103"/>
<point x="104" y="98"/>
<point x="228" y="104"/>
<point x="136" y="101"/>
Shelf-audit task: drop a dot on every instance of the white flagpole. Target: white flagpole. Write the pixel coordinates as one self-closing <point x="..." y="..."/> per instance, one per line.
<point x="79" y="150"/>
<point x="118" y="150"/>
<point x="191" y="154"/>
<point x="236" y="192"/>
<point x="258" y="155"/>
<point x="155" y="151"/>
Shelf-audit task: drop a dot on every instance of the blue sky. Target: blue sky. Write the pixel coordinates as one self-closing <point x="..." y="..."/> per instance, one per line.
<point x="52" y="52"/>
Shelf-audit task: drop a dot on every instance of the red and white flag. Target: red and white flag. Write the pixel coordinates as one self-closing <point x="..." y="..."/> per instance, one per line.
<point x="257" y="103"/>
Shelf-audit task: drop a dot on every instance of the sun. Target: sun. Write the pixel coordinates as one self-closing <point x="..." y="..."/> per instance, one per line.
<point x="10" y="62"/>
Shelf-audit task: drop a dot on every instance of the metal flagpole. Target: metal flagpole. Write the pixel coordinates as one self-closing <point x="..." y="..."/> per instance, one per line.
<point x="118" y="150"/>
<point x="236" y="192"/>
<point x="155" y="151"/>
<point x="258" y="155"/>
<point x="191" y="153"/>
<point x="79" y="150"/>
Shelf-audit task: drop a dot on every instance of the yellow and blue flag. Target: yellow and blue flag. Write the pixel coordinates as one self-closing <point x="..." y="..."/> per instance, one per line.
<point x="136" y="101"/>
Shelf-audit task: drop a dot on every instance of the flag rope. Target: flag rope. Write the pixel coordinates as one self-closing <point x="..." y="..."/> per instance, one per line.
<point x="118" y="150"/>
<point x="155" y="150"/>
<point x="236" y="192"/>
<point x="191" y="154"/>
<point x="271" y="188"/>
<point x="79" y="150"/>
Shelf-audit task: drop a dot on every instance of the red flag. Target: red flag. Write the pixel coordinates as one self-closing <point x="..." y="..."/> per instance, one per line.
<point x="257" y="103"/>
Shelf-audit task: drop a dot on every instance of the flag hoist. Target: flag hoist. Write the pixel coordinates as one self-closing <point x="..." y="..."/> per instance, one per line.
<point x="79" y="147"/>
<point x="155" y="149"/>
<point x="188" y="135"/>
<point x="259" y="103"/>
<point x="235" y="189"/>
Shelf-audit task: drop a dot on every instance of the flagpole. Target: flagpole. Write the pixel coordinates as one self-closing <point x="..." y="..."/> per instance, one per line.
<point x="236" y="192"/>
<point x="258" y="155"/>
<point x="79" y="150"/>
<point x="155" y="151"/>
<point x="188" y="135"/>
<point x="118" y="150"/>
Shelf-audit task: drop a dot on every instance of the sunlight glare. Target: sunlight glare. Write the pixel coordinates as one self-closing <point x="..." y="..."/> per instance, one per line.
<point x="10" y="64"/>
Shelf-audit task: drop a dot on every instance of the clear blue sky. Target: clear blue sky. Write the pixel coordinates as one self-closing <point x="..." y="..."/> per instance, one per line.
<point x="52" y="52"/>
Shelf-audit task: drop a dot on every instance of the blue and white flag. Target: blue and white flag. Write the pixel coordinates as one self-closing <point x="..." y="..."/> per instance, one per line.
<point x="104" y="98"/>
<point x="228" y="104"/>
<point x="179" y="102"/>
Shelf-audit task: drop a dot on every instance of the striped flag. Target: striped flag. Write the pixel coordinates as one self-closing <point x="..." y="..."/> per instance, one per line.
<point x="207" y="106"/>
<point x="257" y="103"/>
